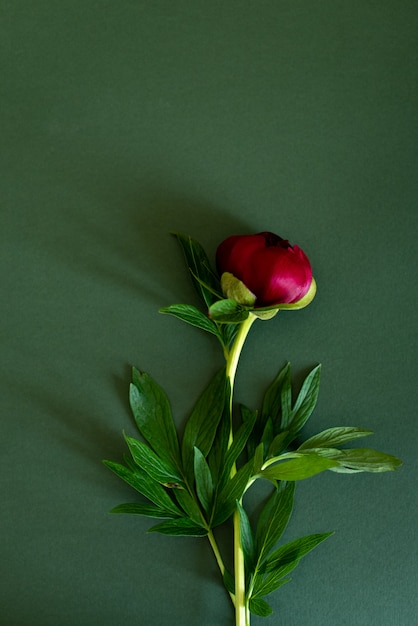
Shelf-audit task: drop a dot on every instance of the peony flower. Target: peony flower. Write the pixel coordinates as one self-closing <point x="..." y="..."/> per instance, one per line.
<point x="264" y="270"/>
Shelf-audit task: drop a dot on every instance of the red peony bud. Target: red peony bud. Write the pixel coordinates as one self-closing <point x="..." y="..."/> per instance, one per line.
<point x="273" y="270"/>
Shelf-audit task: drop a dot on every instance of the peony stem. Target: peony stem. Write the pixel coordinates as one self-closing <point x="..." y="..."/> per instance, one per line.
<point x="241" y="609"/>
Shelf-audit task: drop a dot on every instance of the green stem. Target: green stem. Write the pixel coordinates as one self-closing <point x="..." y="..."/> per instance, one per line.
<point x="241" y="610"/>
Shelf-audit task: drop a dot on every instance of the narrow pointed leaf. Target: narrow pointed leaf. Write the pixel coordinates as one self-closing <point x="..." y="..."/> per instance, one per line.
<point x="138" y="508"/>
<point x="150" y="462"/>
<point x="203" y="422"/>
<point x="238" y="444"/>
<point x="292" y="552"/>
<point x="152" y="414"/>
<point x="203" y="478"/>
<point x="273" y="519"/>
<point x="181" y="527"/>
<point x="247" y="539"/>
<point x="189" y="505"/>
<point x="277" y="398"/>
<point x="306" y="400"/>
<point x="333" y="437"/>
<point x="233" y="491"/>
<point x="191" y="315"/>
<point x="365" y="460"/>
<point x="271" y="582"/>
<point x="145" y="485"/>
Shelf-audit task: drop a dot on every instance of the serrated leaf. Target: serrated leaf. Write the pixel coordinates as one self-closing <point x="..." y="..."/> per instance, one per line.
<point x="203" y="478"/>
<point x="247" y="539"/>
<point x="191" y="315"/>
<point x="273" y="519"/>
<point x="293" y="551"/>
<point x="200" y="269"/>
<point x="152" y="414"/>
<point x="180" y="527"/>
<point x="145" y="485"/>
<point x="260" y="607"/>
<point x="228" y="311"/>
<point x="233" y="491"/>
<point x="138" y="508"/>
<point x="161" y="471"/>
<point x="298" y="468"/>
<point x="203" y="422"/>
<point x="332" y="437"/>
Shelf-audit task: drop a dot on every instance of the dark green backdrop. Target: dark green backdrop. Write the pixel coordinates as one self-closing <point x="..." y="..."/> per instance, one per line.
<point x="122" y="121"/>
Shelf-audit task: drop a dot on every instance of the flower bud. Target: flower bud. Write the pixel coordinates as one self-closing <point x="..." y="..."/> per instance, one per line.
<point x="274" y="271"/>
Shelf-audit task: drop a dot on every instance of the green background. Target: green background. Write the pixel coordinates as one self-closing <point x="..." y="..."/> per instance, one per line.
<point x="122" y="121"/>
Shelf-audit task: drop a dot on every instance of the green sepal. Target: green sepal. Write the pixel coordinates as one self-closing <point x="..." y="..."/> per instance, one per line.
<point x="298" y="468"/>
<point x="258" y="606"/>
<point x="180" y="527"/>
<point x="191" y="315"/>
<point x="161" y="471"/>
<point x="139" y="508"/>
<point x="152" y="413"/>
<point x="145" y="485"/>
<point x="203" y="479"/>
<point x="203" y="422"/>
<point x="228" y="311"/>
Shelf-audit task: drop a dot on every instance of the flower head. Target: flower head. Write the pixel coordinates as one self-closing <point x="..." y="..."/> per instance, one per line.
<point x="274" y="271"/>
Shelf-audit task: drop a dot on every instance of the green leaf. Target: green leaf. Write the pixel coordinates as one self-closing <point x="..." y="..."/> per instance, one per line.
<point x="189" y="505"/>
<point x="273" y="519"/>
<point x="258" y="606"/>
<point x="306" y="401"/>
<point x="270" y="583"/>
<point x="229" y="581"/>
<point x="181" y="527"/>
<point x="138" y="508"/>
<point x="278" y="444"/>
<point x="145" y="485"/>
<point x="228" y="312"/>
<point x="202" y="424"/>
<point x="292" y="552"/>
<point x="363" y="460"/>
<point x="191" y="315"/>
<point x="298" y="468"/>
<point x="203" y="478"/>
<point x="238" y="444"/>
<point x="334" y="436"/>
<point x="150" y="462"/>
<point x="152" y="414"/>
<point x="247" y="539"/>
<point x="200" y="269"/>
<point x="278" y="398"/>
<point x="233" y="491"/>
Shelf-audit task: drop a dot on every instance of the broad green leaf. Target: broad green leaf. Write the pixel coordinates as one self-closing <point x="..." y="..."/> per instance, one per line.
<point x="152" y="414"/>
<point x="189" y="505"/>
<point x="306" y="400"/>
<point x="150" y="462"/>
<point x="258" y="606"/>
<point x="191" y="315"/>
<point x="180" y="527"/>
<point x="292" y="552"/>
<point x="203" y="478"/>
<point x="228" y="312"/>
<point x="138" y="508"/>
<point x="273" y="519"/>
<point x="203" y="422"/>
<point x="145" y="485"/>
<point x="233" y="491"/>
<point x="299" y="468"/>
<point x="333" y="437"/>
<point x="200" y="269"/>
<point x="247" y="539"/>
